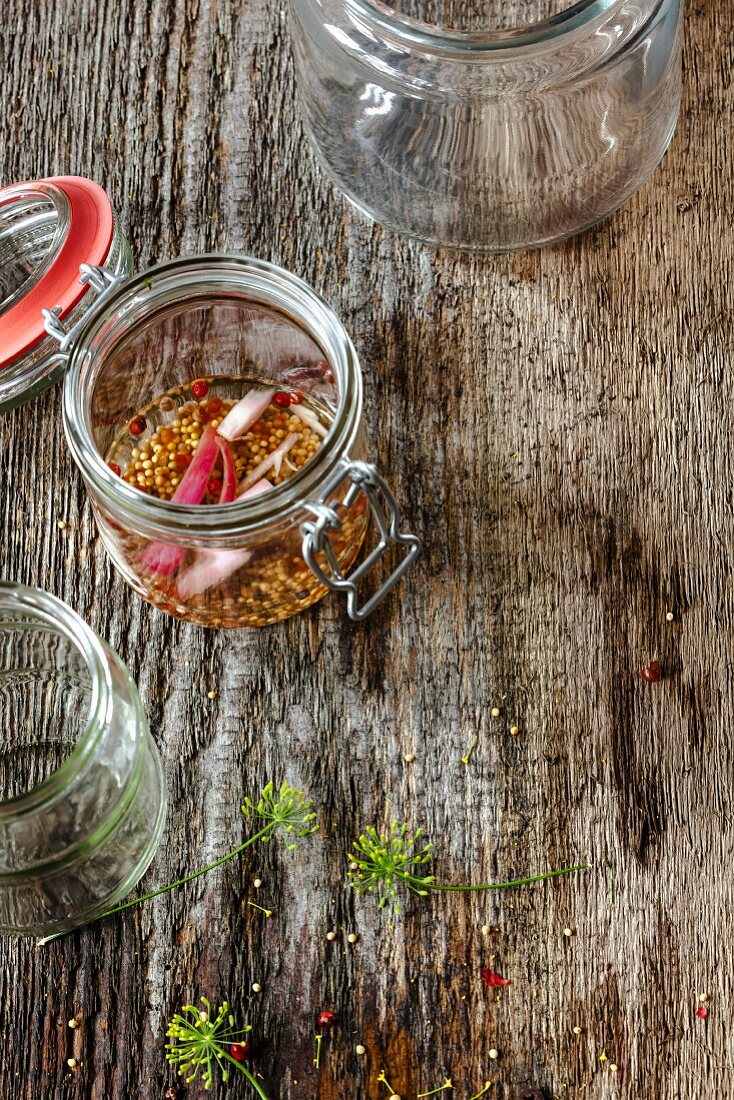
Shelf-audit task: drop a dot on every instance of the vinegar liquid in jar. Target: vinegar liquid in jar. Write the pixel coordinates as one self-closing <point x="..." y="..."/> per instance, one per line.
<point x="153" y="454"/>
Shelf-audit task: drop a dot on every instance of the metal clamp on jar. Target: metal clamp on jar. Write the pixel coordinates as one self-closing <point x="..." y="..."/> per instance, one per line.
<point x="214" y="408"/>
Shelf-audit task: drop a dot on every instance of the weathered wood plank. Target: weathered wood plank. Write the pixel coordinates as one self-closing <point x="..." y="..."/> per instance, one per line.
<point x="558" y="426"/>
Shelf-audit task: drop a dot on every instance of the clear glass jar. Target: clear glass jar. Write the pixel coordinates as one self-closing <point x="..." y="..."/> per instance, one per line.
<point x="81" y="837"/>
<point x="253" y="561"/>
<point x="47" y="229"/>
<point x="499" y="138"/>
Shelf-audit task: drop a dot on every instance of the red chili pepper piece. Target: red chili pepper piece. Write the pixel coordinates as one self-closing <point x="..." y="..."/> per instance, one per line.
<point x="281" y="400"/>
<point x="296" y="397"/>
<point x="138" y="424"/>
<point x="239" y="1051"/>
<point x="199" y="388"/>
<point x="214" y="486"/>
<point x="183" y="461"/>
<point x="652" y="673"/>
<point x="490" y="978"/>
<point x="215" y="405"/>
<point x="115" y="468"/>
<point x="702" y="1012"/>
<point x="326" y="1020"/>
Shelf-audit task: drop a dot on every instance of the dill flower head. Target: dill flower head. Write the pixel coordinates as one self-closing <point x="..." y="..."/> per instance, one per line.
<point x="286" y="808"/>
<point x="380" y="861"/>
<point x="200" y="1041"/>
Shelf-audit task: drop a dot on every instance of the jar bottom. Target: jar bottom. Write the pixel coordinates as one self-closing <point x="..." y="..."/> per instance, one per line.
<point x="480" y="225"/>
<point x="249" y="613"/>
<point x="492" y="248"/>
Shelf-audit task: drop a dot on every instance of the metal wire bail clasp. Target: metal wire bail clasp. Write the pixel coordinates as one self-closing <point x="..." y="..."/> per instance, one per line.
<point x="386" y="514"/>
<point x="101" y="280"/>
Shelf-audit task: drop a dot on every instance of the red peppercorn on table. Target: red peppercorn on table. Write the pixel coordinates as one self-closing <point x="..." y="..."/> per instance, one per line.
<point x="557" y="427"/>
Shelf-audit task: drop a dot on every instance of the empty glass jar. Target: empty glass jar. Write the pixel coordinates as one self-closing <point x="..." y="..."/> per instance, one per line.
<point x="491" y="126"/>
<point x="82" y="788"/>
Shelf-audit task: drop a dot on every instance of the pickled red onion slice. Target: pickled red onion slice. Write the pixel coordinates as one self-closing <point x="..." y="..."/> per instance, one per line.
<point x="164" y="558"/>
<point x="212" y="567"/>
<point x="229" y="481"/>
<point x="309" y="418"/>
<point x="245" y="413"/>
<point x="273" y="461"/>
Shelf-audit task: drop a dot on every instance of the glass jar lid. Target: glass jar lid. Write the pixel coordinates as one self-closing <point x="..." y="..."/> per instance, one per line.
<point x="49" y="228"/>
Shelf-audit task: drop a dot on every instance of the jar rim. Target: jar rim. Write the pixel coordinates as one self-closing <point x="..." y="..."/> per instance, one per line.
<point x="499" y="45"/>
<point x="46" y="612"/>
<point x="142" y="296"/>
<point x="40" y="191"/>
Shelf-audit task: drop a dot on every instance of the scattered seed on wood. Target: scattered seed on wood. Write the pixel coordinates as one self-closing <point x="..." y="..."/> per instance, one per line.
<point x="670" y="617"/>
<point x="409" y="759"/>
<point x="257" y="883"/>
<point x="73" y="1022"/>
<point x="514" y="730"/>
<point x="331" y="936"/>
<point x="211" y="694"/>
<point x="494" y="1054"/>
<point x="495" y="712"/>
<point x="71" y="1063"/>
<point x="360" y="1049"/>
<point x="577" y="1030"/>
<point x="256" y="987"/>
<point x="352" y="938"/>
<point x="568" y="931"/>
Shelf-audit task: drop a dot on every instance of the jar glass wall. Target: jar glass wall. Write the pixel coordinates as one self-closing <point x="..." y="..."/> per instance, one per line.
<point x="170" y="353"/>
<point x="80" y="777"/>
<point x="478" y="136"/>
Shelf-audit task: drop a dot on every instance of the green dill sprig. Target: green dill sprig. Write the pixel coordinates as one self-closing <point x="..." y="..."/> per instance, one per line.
<point x="282" y="810"/>
<point x="200" y="1041"/>
<point x="382" y="862"/>
<point x="286" y="809"/>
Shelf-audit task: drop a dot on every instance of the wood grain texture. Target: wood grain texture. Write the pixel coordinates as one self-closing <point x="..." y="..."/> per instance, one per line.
<point x="558" y="426"/>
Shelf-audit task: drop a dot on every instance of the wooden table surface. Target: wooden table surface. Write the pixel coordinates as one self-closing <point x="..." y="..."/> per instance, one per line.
<point x="558" y="428"/>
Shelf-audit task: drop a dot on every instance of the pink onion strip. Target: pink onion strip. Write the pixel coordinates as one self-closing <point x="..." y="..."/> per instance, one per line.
<point x="245" y="413"/>
<point x="229" y="481"/>
<point x="273" y="461"/>
<point x="212" y="567"/>
<point x="164" y="558"/>
<point x="309" y="418"/>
